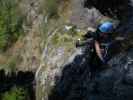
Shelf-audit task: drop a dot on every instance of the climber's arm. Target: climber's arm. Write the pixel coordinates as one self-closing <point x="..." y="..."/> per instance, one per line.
<point x="98" y="50"/>
<point x="89" y="34"/>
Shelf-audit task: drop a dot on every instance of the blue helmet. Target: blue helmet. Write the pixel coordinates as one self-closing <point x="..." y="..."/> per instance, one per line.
<point x="106" y="27"/>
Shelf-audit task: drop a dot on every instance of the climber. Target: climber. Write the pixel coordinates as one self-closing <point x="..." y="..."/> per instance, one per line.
<point x="102" y="38"/>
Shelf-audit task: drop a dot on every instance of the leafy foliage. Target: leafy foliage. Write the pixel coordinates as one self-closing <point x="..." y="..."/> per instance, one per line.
<point x="15" y="94"/>
<point x="10" y="22"/>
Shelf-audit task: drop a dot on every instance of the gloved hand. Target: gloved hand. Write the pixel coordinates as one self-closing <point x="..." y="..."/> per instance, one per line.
<point x="77" y="43"/>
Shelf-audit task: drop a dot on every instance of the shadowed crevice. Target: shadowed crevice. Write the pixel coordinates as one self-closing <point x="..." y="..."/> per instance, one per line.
<point x="20" y="79"/>
<point x="111" y="8"/>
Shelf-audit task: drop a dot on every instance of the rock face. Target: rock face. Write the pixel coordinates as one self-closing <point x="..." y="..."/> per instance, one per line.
<point x="72" y="81"/>
<point x="115" y="82"/>
<point x="83" y="17"/>
<point x="112" y="82"/>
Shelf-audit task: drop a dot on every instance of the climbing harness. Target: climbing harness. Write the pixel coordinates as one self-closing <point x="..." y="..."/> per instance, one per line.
<point x="106" y="47"/>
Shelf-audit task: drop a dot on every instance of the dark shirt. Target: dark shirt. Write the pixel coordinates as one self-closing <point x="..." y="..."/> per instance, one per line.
<point x="99" y="36"/>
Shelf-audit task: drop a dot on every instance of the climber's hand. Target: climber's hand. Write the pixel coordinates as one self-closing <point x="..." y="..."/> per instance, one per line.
<point x="80" y="43"/>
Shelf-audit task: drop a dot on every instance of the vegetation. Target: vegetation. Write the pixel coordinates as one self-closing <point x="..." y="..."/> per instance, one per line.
<point x="10" y="23"/>
<point x="11" y="64"/>
<point x="16" y="93"/>
<point x="51" y="7"/>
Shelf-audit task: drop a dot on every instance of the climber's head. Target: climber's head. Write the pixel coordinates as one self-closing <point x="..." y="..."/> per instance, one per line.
<point x="106" y="27"/>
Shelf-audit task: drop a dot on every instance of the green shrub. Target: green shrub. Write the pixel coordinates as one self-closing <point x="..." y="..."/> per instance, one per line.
<point x="10" y="22"/>
<point x="15" y="94"/>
